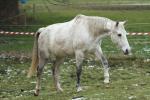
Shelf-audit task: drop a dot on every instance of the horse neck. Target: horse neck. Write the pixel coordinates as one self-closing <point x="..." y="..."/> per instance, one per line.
<point x="100" y="27"/>
<point x="109" y="25"/>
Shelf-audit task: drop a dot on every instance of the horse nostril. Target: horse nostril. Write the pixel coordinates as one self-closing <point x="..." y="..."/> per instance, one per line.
<point x="126" y="51"/>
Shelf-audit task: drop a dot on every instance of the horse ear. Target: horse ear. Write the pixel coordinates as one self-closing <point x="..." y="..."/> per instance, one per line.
<point x="124" y="22"/>
<point x="117" y="23"/>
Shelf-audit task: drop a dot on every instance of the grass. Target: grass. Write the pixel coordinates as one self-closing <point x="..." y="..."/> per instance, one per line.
<point x="129" y="80"/>
<point x="134" y="24"/>
<point x="130" y="75"/>
<point x="44" y="14"/>
<point x="110" y="1"/>
<point x="93" y="1"/>
<point x="11" y="45"/>
<point x="16" y="44"/>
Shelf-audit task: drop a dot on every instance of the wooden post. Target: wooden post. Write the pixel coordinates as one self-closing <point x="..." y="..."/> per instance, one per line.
<point x="34" y="10"/>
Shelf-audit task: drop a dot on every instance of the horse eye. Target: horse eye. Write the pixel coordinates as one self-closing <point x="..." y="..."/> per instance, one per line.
<point x="119" y="35"/>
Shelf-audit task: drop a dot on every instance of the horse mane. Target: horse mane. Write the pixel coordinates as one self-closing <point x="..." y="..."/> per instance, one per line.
<point x="95" y="24"/>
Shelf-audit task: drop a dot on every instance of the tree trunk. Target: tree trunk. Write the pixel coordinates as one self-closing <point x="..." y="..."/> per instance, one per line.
<point x="9" y="9"/>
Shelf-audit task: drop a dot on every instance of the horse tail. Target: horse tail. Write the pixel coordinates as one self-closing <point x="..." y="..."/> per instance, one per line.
<point x="35" y="59"/>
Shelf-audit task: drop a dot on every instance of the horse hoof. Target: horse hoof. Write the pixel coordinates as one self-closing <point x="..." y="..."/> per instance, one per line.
<point x="36" y="94"/>
<point x="107" y="86"/>
<point x="79" y="89"/>
<point x="106" y="81"/>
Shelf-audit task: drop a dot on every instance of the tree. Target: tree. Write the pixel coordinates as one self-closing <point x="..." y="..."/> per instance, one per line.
<point x="8" y="10"/>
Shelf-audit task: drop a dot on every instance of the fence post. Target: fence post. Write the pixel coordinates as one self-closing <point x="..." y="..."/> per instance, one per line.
<point x="34" y="10"/>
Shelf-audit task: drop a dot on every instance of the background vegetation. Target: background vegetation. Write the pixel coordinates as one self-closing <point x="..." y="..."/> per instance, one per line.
<point x="130" y="75"/>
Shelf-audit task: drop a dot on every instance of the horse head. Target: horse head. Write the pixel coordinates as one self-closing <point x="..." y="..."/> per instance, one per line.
<point x="118" y="36"/>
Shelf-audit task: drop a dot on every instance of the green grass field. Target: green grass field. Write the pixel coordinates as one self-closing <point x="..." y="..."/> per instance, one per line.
<point x="137" y="21"/>
<point x="11" y="45"/>
<point x="41" y="13"/>
<point x="130" y="75"/>
<point x="129" y="80"/>
<point x="94" y="1"/>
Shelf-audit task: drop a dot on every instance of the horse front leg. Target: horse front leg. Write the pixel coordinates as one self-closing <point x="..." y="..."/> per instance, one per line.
<point x="79" y="59"/>
<point x="55" y="72"/>
<point x="104" y="61"/>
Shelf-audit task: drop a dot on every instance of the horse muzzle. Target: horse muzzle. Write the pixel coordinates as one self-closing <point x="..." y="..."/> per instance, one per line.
<point x="127" y="52"/>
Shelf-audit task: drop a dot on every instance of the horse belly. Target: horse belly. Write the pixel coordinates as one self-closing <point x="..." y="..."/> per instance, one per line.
<point x="61" y="50"/>
<point x="61" y="44"/>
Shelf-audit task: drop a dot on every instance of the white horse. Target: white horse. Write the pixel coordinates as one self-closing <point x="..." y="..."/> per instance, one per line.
<point x="81" y="35"/>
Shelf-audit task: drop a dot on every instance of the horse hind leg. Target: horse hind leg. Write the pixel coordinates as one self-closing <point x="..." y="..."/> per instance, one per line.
<point x="42" y="61"/>
<point x="79" y="60"/>
<point x="55" y="71"/>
